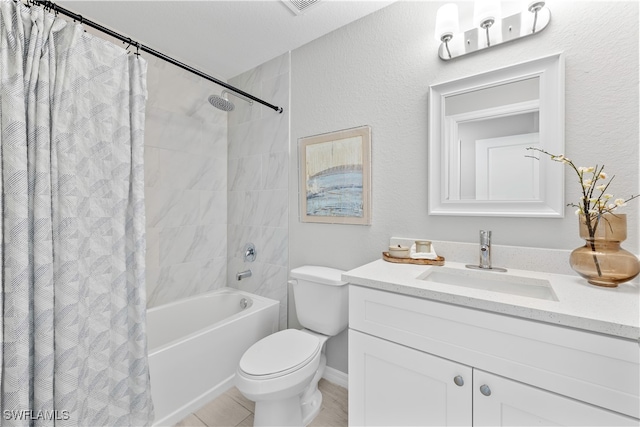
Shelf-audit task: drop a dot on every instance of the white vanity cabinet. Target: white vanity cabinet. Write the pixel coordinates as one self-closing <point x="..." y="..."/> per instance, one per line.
<point x="393" y="385"/>
<point x="414" y="361"/>
<point x="498" y="401"/>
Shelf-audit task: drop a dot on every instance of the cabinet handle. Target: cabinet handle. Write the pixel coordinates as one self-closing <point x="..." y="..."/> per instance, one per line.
<point x="458" y="380"/>
<point x="484" y="389"/>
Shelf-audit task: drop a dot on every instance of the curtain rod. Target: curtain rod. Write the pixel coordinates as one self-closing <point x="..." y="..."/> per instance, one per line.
<point x="54" y="7"/>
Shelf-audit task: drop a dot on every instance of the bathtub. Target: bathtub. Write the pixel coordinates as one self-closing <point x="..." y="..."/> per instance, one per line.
<point x="195" y="345"/>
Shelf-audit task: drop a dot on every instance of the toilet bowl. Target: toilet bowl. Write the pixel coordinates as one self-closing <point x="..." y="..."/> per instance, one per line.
<point x="280" y="373"/>
<point x="277" y="371"/>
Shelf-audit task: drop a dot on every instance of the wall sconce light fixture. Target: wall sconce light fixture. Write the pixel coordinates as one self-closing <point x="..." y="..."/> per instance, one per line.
<point x="490" y="28"/>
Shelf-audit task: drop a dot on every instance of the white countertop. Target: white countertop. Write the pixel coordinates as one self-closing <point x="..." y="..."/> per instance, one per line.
<point x="611" y="311"/>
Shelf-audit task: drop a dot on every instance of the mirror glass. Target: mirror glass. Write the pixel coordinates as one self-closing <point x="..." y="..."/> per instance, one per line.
<point x="480" y="128"/>
<point x="492" y="127"/>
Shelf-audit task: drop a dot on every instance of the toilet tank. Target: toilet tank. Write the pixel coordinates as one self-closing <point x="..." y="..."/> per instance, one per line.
<point x="322" y="299"/>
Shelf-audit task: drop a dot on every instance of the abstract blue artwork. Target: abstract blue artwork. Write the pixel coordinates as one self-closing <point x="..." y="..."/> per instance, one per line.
<point x="335" y="177"/>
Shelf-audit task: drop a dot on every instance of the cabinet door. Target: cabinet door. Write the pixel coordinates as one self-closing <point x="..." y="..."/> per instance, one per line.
<point x="393" y="385"/>
<point x="511" y="403"/>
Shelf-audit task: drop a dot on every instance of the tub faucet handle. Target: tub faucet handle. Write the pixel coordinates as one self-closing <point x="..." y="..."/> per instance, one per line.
<point x="250" y="252"/>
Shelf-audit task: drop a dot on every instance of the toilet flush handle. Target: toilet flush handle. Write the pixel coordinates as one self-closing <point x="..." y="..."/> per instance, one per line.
<point x="292" y="282"/>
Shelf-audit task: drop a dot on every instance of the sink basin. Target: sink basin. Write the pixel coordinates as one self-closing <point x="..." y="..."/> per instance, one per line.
<point x="490" y="281"/>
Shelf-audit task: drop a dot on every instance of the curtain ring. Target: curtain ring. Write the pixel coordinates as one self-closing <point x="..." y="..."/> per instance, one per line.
<point x="129" y="42"/>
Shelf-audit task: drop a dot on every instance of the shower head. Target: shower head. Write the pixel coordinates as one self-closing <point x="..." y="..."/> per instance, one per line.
<point x="221" y="102"/>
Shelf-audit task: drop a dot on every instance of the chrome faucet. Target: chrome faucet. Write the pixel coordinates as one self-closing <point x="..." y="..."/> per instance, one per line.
<point x="485" y="249"/>
<point x="485" y="253"/>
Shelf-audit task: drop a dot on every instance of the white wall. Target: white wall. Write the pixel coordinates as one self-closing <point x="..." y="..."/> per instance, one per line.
<point x="377" y="72"/>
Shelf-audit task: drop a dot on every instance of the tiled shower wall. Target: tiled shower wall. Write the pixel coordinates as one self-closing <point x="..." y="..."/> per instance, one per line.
<point x="185" y="185"/>
<point x="258" y="182"/>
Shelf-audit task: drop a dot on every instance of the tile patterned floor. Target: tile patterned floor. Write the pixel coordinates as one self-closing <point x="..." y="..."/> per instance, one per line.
<point x="232" y="409"/>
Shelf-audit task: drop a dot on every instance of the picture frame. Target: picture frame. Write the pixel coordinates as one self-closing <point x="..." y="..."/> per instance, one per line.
<point x="335" y="177"/>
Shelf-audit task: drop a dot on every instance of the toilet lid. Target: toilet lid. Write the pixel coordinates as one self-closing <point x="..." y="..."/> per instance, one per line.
<point x="280" y="353"/>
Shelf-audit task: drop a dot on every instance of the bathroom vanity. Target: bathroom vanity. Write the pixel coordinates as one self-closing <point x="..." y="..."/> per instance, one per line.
<point x="452" y="346"/>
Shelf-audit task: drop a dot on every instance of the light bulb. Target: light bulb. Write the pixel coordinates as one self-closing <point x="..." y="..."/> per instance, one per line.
<point x="446" y="21"/>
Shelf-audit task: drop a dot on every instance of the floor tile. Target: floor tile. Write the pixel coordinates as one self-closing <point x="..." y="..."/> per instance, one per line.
<point x="232" y="409"/>
<point x="247" y="422"/>
<point x="328" y="418"/>
<point x="235" y="394"/>
<point x="223" y="411"/>
<point x="334" y="412"/>
<point x="332" y="390"/>
<point x="191" y="421"/>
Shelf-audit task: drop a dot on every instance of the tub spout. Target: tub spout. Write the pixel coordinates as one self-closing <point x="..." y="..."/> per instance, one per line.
<point x="243" y="274"/>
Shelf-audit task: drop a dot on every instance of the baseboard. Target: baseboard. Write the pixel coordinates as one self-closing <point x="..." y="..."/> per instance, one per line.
<point x="336" y="377"/>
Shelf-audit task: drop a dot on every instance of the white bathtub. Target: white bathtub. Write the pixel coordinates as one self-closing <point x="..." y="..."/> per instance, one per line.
<point x="195" y="346"/>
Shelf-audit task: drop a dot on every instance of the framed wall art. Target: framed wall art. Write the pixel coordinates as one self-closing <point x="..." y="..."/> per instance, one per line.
<point x="335" y="177"/>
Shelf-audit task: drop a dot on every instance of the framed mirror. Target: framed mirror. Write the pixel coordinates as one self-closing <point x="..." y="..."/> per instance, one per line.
<point x="479" y="129"/>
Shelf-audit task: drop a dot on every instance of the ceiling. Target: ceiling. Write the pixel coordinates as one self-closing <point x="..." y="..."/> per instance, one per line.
<point x="222" y="38"/>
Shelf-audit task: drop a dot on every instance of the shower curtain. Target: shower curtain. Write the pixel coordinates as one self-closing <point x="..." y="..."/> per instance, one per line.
<point x="72" y="256"/>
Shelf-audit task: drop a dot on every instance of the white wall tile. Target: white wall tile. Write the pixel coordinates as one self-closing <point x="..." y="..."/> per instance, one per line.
<point x="239" y="235"/>
<point x="212" y="275"/>
<point x="214" y="140"/>
<point x="214" y="244"/>
<point x="240" y="140"/>
<point x="245" y="111"/>
<point x="251" y="209"/>
<point x="235" y="200"/>
<point x="171" y="208"/>
<point x="186" y="186"/>
<point x="213" y="207"/>
<point x="155" y="124"/>
<point x="188" y="171"/>
<point x="274" y="285"/>
<point x="275" y="170"/>
<point x="249" y="284"/>
<point x="192" y="243"/>
<point x="275" y="67"/>
<point x="211" y="174"/>
<point x="208" y="113"/>
<point x="153" y="248"/>
<point x="174" y="282"/>
<point x="274" y="208"/>
<point x="151" y="166"/>
<point x="276" y="90"/>
<point x="152" y="276"/>
<point x="258" y="184"/>
<point x="245" y="173"/>
<point x="275" y="241"/>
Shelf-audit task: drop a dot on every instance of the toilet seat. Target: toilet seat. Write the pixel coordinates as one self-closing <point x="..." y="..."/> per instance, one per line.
<point x="279" y="354"/>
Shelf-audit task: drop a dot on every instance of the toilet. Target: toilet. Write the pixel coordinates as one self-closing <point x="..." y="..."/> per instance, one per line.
<point x="280" y="373"/>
